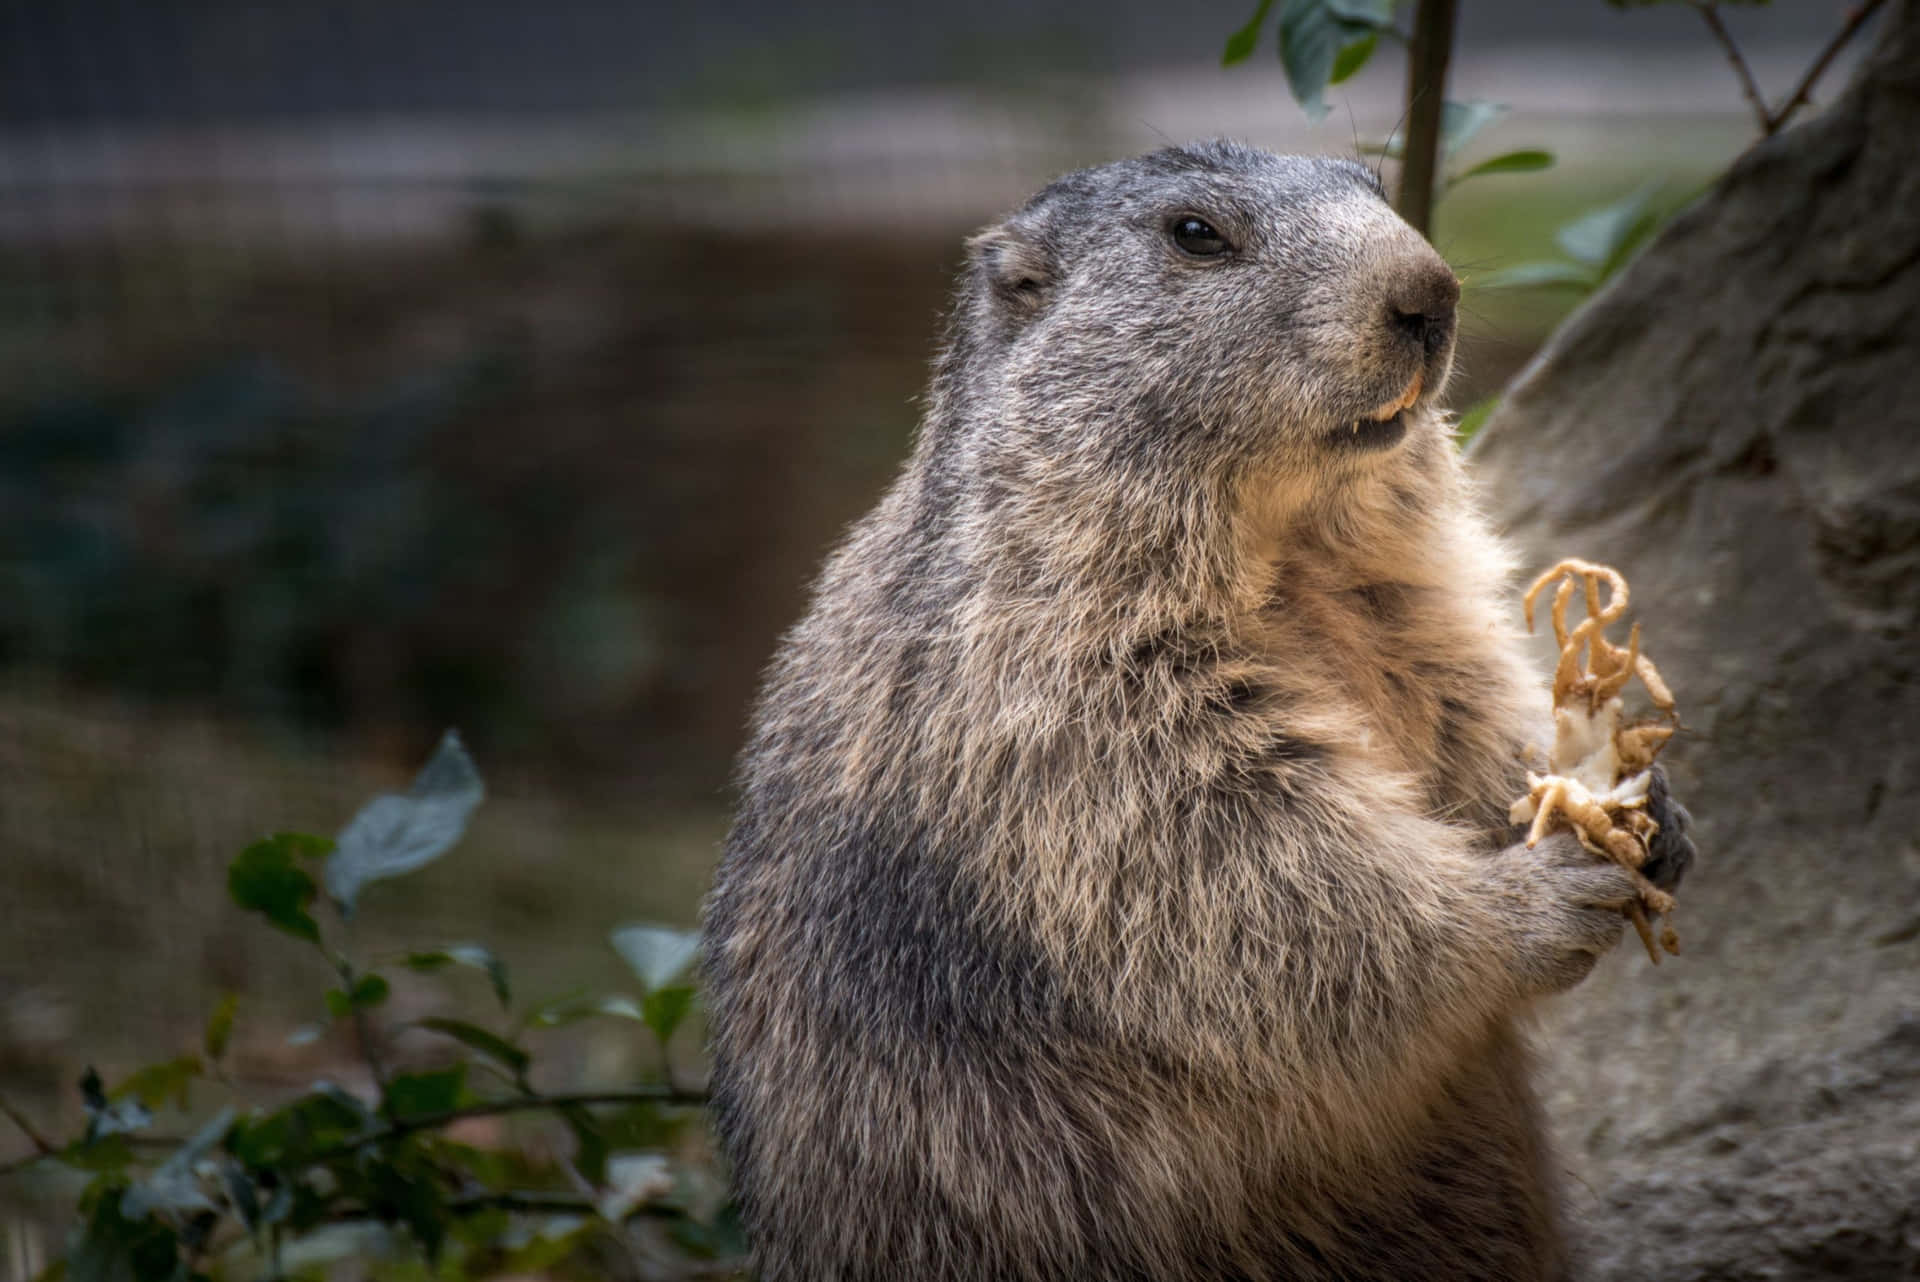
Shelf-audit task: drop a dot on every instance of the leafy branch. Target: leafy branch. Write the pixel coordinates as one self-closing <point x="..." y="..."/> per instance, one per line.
<point x="414" y="1123"/>
<point x="1323" y="43"/>
<point x="1600" y="242"/>
<point x="260" y="1191"/>
<point x="1597" y="244"/>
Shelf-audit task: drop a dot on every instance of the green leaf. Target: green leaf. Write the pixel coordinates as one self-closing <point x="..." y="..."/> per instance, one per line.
<point x="264" y="879"/>
<point x="489" y="1044"/>
<point x="656" y="953"/>
<point x="420" y="1094"/>
<point x="116" y="1247"/>
<point x="393" y="835"/>
<point x="220" y="1027"/>
<point x="486" y="1229"/>
<point x="619" y="1006"/>
<point x="1312" y="36"/>
<point x="568" y="1008"/>
<point x="174" y="1187"/>
<point x="550" y="1242"/>
<point x="155" y="1084"/>
<point x="633" y="1180"/>
<point x="242" y="1194"/>
<point x="572" y="1009"/>
<point x="1377" y="14"/>
<point x="305" y="845"/>
<point x="648" y="1125"/>
<point x="1461" y="122"/>
<point x="724" y="1236"/>
<point x="403" y="1191"/>
<point x="1353" y="57"/>
<point x="107" y="1155"/>
<point x="664" y="1009"/>
<point x="324" y="1118"/>
<point x="1599" y="237"/>
<point x="475" y="956"/>
<point x="1241" y="44"/>
<point x="590" y="1146"/>
<point x="1474" y="418"/>
<point x="367" y="992"/>
<point x="109" y="1117"/>
<point x="1541" y="272"/>
<point x="1512" y="162"/>
<point x="1642" y="227"/>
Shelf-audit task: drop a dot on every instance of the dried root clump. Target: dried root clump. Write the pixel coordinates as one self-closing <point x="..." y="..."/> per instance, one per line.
<point x="1600" y="763"/>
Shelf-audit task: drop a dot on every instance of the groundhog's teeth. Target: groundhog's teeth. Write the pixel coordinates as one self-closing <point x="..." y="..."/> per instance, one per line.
<point x="1413" y="391"/>
<point x="1402" y="402"/>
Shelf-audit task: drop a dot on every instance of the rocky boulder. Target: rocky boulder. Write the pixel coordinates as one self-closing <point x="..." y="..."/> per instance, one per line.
<point x="1729" y="424"/>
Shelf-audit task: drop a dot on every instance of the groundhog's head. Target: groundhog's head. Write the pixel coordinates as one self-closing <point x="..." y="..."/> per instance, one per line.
<point x="1213" y="303"/>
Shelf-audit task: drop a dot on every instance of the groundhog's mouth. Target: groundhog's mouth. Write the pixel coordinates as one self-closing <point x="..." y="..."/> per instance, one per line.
<point x="1383" y="426"/>
<point x="1370" y="433"/>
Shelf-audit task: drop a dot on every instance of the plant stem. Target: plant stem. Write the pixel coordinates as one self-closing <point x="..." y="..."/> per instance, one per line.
<point x="534" y="1103"/>
<point x="1856" y="18"/>
<point x="399" y="1127"/>
<point x="548" y="1204"/>
<point x="1427" y="59"/>
<point x="407" y="1126"/>
<point x="43" y="1147"/>
<point x="363" y="1030"/>
<point x="1708" y="11"/>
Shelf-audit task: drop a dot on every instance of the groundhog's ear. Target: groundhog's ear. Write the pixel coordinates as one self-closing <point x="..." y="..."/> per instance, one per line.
<point x="1014" y="263"/>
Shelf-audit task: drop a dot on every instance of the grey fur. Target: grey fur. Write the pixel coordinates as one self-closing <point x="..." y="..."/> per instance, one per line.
<point x="1121" y="888"/>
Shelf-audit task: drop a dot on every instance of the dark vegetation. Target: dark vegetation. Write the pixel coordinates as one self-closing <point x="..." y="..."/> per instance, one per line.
<point x="425" y="1149"/>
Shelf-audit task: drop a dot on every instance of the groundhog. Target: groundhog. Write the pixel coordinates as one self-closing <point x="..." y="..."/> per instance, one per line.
<point x="1122" y="886"/>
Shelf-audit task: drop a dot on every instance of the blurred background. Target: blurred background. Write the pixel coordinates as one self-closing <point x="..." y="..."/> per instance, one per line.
<point x="378" y="366"/>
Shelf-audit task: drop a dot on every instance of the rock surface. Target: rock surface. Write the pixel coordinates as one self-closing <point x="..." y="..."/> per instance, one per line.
<point x="1731" y="423"/>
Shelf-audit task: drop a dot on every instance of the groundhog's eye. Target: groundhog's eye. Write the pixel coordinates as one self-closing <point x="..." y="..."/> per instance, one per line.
<point x="1197" y="236"/>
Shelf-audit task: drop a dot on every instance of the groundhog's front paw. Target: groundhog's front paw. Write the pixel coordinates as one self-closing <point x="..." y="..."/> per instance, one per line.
<point x="1669" y="851"/>
<point x="1564" y="906"/>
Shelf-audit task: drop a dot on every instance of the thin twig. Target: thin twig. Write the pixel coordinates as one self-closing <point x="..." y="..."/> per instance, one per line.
<point x="363" y="1031"/>
<point x="532" y="1202"/>
<point x="497" y="1107"/>
<point x="534" y="1103"/>
<point x="1856" y="18"/>
<point x="529" y="1202"/>
<point x="1748" y="86"/>
<point x="167" y="1142"/>
<point x="409" y="1125"/>
<point x="43" y="1147"/>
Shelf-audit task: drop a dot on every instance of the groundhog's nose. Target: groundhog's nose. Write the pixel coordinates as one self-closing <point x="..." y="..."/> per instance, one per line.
<point x="1422" y="304"/>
